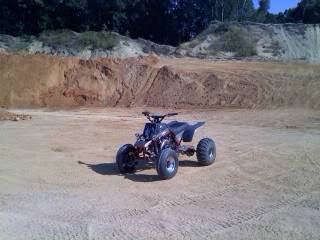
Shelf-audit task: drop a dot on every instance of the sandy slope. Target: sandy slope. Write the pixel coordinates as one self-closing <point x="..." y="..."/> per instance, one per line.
<point x="40" y="80"/>
<point x="285" y="42"/>
<point x="58" y="179"/>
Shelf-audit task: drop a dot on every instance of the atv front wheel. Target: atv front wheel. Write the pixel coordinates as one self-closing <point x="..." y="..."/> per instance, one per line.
<point x="206" y="152"/>
<point x="167" y="164"/>
<point x="126" y="159"/>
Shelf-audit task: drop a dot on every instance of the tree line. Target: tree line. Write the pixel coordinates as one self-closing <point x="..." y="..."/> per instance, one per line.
<point x="162" y="21"/>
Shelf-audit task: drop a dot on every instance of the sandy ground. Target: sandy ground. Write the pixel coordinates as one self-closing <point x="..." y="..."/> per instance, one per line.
<point x="58" y="179"/>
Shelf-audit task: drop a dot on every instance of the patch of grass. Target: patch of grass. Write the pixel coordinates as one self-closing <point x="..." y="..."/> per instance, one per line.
<point x="57" y="38"/>
<point x="197" y="39"/>
<point x="222" y="28"/>
<point x="214" y="48"/>
<point x="212" y="51"/>
<point x="67" y="38"/>
<point x="193" y="43"/>
<point x="237" y="40"/>
<point x="102" y="40"/>
<point x="229" y="37"/>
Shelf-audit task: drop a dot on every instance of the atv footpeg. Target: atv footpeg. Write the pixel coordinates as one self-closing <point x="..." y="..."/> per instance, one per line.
<point x="187" y="150"/>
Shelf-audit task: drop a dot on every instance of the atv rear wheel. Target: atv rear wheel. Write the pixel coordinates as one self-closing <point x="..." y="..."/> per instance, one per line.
<point x="167" y="164"/>
<point x="206" y="152"/>
<point x="126" y="159"/>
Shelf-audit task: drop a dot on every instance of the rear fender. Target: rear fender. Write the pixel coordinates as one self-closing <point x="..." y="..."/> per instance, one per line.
<point x="189" y="132"/>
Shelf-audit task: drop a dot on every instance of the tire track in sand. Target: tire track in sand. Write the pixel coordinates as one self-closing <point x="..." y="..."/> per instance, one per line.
<point x="192" y="200"/>
<point x="187" y="228"/>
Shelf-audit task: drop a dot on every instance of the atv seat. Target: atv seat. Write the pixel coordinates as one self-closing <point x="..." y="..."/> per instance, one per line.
<point x="184" y="129"/>
<point x="177" y="127"/>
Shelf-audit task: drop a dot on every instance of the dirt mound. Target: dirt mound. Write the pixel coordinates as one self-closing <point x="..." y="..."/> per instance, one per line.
<point x="40" y="81"/>
<point x="235" y="84"/>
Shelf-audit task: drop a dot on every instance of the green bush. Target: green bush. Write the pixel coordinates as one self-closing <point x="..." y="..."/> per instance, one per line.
<point x="237" y="40"/>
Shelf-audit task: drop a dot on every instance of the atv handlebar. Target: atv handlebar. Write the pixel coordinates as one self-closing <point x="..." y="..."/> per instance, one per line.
<point x="172" y="114"/>
<point x="146" y="113"/>
<point x="157" y="118"/>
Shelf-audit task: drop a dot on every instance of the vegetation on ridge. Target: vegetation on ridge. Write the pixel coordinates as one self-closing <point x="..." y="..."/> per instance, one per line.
<point x="166" y="21"/>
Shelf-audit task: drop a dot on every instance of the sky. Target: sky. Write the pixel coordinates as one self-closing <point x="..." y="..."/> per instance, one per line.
<point x="280" y="5"/>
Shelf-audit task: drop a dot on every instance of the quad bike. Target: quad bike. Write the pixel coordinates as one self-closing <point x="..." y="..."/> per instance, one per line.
<point x="161" y="143"/>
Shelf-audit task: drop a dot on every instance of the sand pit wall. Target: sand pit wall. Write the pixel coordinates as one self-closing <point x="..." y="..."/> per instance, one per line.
<point x="46" y="81"/>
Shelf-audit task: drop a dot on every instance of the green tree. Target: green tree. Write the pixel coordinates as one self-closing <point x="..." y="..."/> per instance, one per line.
<point x="262" y="12"/>
<point x="264" y="6"/>
<point x="311" y="12"/>
<point x="165" y="21"/>
<point x="307" y="11"/>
